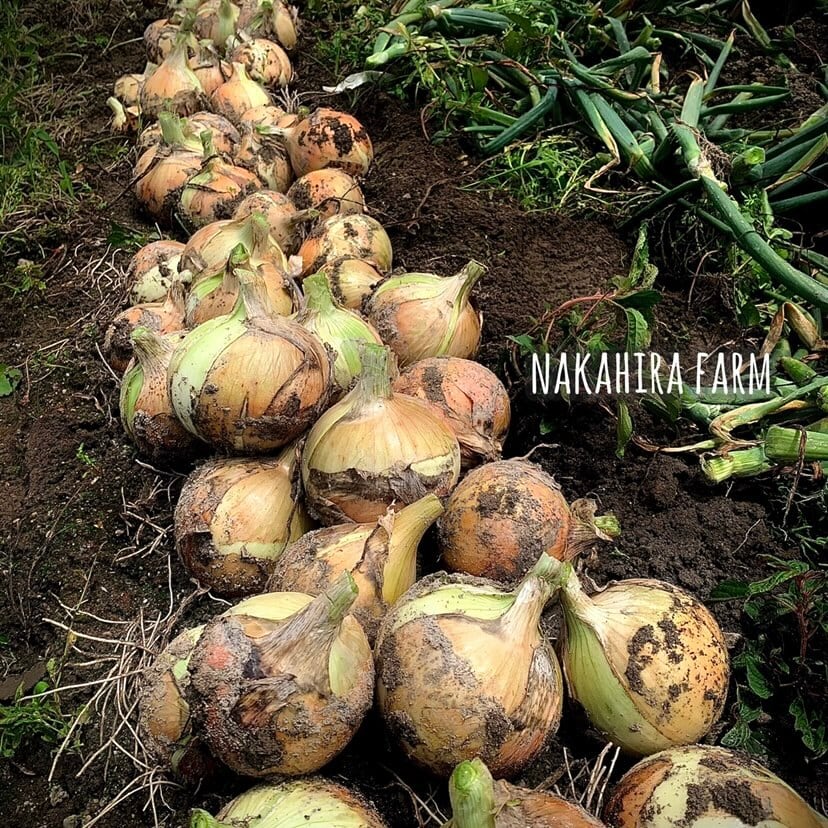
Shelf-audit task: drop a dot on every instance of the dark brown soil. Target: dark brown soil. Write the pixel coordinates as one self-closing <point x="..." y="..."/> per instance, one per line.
<point x="70" y="480"/>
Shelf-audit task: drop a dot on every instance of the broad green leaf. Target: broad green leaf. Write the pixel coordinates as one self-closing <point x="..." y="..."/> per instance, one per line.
<point x="638" y="331"/>
<point x="623" y="430"/>
<point x="9" y="379"/>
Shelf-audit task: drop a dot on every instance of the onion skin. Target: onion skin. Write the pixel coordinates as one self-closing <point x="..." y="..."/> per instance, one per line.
<point x="238" y="94"/>
<point x="234" y="519"/>
<point x="159" y="39"/>
<point x="265" y="156"/>
<point x="152" y="270"/>
<point x="225" y="136"/>
<point x="354" y="236"/>
<point x="352" y="280"/>
<point x="470" y="397"/>
<point x="268" y="115"/>
<point x="284" y="220"/>
<point x="705" y="787"/>
<point x="172" y="87"/>
<point x="214" y="193"/>
<point x="210" y="70"/>
<point x="266" y="61"/>
<point x="332" y="192"/>
<point x="127" y="88"/>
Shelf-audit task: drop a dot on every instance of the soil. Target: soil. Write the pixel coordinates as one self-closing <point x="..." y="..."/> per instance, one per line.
<point x="79" y="511"/>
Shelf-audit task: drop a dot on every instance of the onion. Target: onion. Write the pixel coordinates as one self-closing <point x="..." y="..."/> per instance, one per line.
<point x="477" y="801"/>
<point x="123" y="119"/>
<point x="266" y="61"/>
<point x="283" y="218"/>
<point x="354" y="237"/>
<point x="209" y="68"/>
<point x="422" y="315"/>
<point x="152" y="270"/>
<point x="470" y="397"/>
<point x="503" y="515"/>
<point x="270" y="17"/>
<point x="463" y="671"/>
<point x="381" y="556"/>
<point x="266" y="157"/>
<point x="238" y="94"/>
<point x="217" y="295"/>
<point x="164" y="317"/>
<point x="127" y="88"/>
<point x="374" y="449"/>
<point x="250" y="381"/>
<point x="225" y="136"/>
<point x="341" y="329"/>
<point x="705" y="787"/>
<point x="327" y="138"/>
<point x="216" y="20"/>
<point x="268" y="115"/>
<point x="146" y="412"/>
<point x="173" y="86"/>
<point x="284" y="697"/>
<point x="159" y="38"/>
<point x="351" y="280"/>
<point x="330" y="191"/>
<point x="234" y="519"/>
<point x="313" y="801"/>
<point x="646" y="661"/>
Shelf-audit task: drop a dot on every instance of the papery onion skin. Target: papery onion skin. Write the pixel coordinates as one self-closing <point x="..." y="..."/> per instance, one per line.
<point x="352" y="280"/>
<point x="355" y="236"/>
<point x="470" y="397"/>
<point x="210" y="70"/>
<point x="234" y="518"/>
<point x="225" y="136"/>
<point x="705" y="787"/>
<point x="330" y="191"/>
<point x="127" y="88"/>
<point x="159" y="38"/>
<point x="265" y="156"/>
<point x="152" y="270"/>
<point x="238" y="94"/>
<point x="172" y="87"/>
<point x="268" y="115"/>
<point x="266" y="61"/>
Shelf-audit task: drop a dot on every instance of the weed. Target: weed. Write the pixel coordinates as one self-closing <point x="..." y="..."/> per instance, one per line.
<point x="37" y="718"/>
<point x="9" y="379"/>
<point x="84" y="457"/>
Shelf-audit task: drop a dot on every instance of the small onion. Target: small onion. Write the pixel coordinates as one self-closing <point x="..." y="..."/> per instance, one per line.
<point x="265" y="156"/>
<point x="238" y="94"/>
<point x="266" y="61"/>
<point x="463" y="671"/>
<point x="646" y="660"/>
<point x="312" y="801"/>
<point x="159" y="38"/>
<point x="422" y="315"/>
<point x="327" y="138"/>
<point x="352" y="281"/>
<point x="341" y="329"/>
<point x="381" y="556"/>
<point x="478" y="801"/>
<point x="470" y="397"/>
<point x="127" y="89"/>
<point x="152" y="270"/>
<point x="354" y="237"/>
<point x="216" y="20"/>
<point x="331" y="191"/>
<point x="374" y="449"/>
<point x="705" y="787"/>
<point x="146" y="412"/>
<point x="503" y="515"/>
<point x="284" y="697"/>
<point x="234" y="519"/>
<point x="251" y="381"/>
<point x="173" y="86"/>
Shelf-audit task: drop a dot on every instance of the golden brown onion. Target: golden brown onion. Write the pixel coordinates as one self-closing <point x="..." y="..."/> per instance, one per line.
<point x="238" y="94"/>
<point x="173" y="86"/>
<point x="266" y="61"/>
<point x="159" y="38"/>
<point x="284" y="220"/>
<point x="352" y="281"/>
<point x="152" y="270"/>
<point x="354" y="237"/>
<point x="265" y="156"/>
<point x="332" y="192"/>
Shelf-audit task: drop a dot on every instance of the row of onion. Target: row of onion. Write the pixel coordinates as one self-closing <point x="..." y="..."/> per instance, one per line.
<point x="279" y="332"/>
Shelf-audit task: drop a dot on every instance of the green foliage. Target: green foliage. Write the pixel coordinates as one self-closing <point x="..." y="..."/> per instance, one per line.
<point x="32" y="718"/>
<point x="9" y="379"/>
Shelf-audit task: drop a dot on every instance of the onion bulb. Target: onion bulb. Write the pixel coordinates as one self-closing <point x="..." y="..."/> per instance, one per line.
<point x="238" y="94"/>
<point x="284" y="697"/>
<point x="269" y="115"/>
<point x="470" y="397"/>
<point x="341" y="329"/>
<point x="327" y="138"/>
<point x="234" y="519"/>
<point x="422" y="315"/>
<point x="705" y="787"/>
<point x="503" y="515"/>
<point x="332" y="192"/>
<point x="164" y="317"/>
<point x="313" y="801"/>
<point x="146" y="412"/>
<point x="266" y="157"/>
<point x="354" y="237"/>
<point x="374" y="449"/>
<point x="152" y="270"/>
<point x="352" y="281"/>
<point x="647" y="662"/>
<point x="160" y="38"/>
<point x="124" y="119"/>
<point x="213" y="192"/>
<point x="463" y="671"/>
<point x="272" y="18"/>
<point x="173" y="86"/>
<point x="381" y="556"/>
<point x="209" y="68"/>
<point x="265" y="61"/>
<point x="216" y="20"/>
<point x="283" y="219"/>
<point x="478" y="801"/>
<point x="127" y="88"/>
<point x="251" y="381"/>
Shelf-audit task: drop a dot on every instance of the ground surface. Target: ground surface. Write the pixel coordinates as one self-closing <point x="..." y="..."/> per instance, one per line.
<point x="75" y="505"/>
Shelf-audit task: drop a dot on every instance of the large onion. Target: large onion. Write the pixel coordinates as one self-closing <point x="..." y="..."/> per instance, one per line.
<point x="265" y="156"/>
<point x="381" y="556"/>
<point x="271" y="18"/>
<point x="354" y="236"/>
<point x="284" y="697"/>
<point x="250" y="381"/>
<point x="706" y="787"/>
<point x="352" y="281"/>
<point x="173" y="86"/>
<point x="159" y="38"/>
<point x="209" y="68"/>
<point x="422" y="315"/>
<point x="234" y="519"/>
<point x="216" y="20"/>
<point x="470" y="397"/>
<point x="283" y="219"/>
<point x="238" y="94"/>
<point x="152" y="269"/>
<point x="374" y="449"/>
<point x="265" y="61"/>
<point x="225" y="136"/>
<point x="332" y="192"/>
<point x="463" y="671"/>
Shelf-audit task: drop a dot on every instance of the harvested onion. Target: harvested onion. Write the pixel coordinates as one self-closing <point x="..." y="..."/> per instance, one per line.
<point x="284" y="697"/>
<point x="272" y="18"/>
<point x="225" y="136"/>
<point x="238" y="94"/>
<point x="152" y="269"/>
<point x="422" y="315"/>
<point x="265" y="61"/>
<point x="251" y="381"/>
<point x="374" y="449"/>
<point x="209" y="68"/>
<point x="216" y="20"/>
<point x="503" y="515"/>
<point x="355" y="237"/>
<point x="470" y="397"/>
<point x="463" y="671"/>
<point x="127" y="88"/>
<point x="234" y="519"/>
<point x="265" y="156"/>
<point x="332" y="192"/>
<point x="352" y="281"/>
<point x="268" y="115"/>
<point x="283" y="219"/>
<point x="705" y="787"/>
<point x="647" y="661"/>
<point x="381" y="556"/>
<point x="159" y="38"/>
<point x="173" y="86"/>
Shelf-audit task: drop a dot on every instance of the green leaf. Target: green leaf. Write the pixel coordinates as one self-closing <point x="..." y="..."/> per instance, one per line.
<point x="479" y="77"/>
<point x="623" y="429"/>
<point x="9" y="379"/>
<point x="811" y="729"/>
<point x="642" y="273"/>
<point x="730" y="589"/>
<point x="646" y="298"/>
<point x="526" y="343"/>
<point x="757" y="682"/>
<point x="638" y="331"/>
